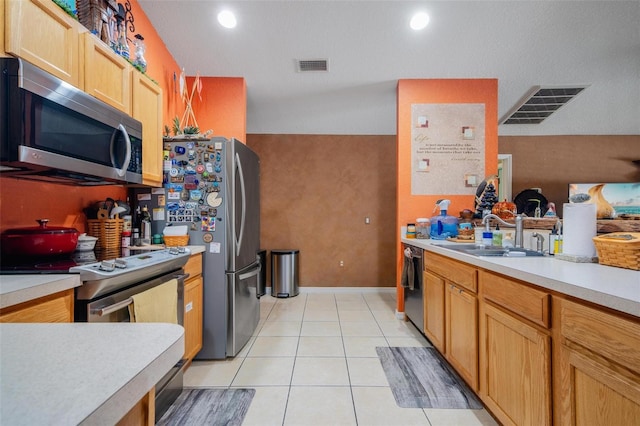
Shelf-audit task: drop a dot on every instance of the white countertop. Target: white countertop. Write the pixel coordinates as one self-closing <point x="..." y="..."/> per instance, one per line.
<point x="16" y="289"/>
<point x="81" y="373"/>
<point x="615" y="288"/>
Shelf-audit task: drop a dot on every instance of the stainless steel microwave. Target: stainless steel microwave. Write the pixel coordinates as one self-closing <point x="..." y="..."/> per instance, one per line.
<point x="53" y="131"/>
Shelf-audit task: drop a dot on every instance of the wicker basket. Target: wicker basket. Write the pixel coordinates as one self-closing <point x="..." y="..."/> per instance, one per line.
<point x="175" y="240"/>
<point x="621" y="249"/>
<point x="93" y="15"/>
<point x="108" y="231"/>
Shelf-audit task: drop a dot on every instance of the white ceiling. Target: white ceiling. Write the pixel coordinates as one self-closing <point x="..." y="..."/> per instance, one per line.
<point x="370" y="46"/>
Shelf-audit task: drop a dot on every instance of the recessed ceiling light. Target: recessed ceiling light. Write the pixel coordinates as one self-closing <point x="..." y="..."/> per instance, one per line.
<point x="419" y="21"/>
<point x="227" y="19"/>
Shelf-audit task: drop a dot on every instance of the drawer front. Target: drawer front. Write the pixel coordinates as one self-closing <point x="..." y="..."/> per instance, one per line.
<point x="194" y="265"/>
<point x="613" y="337"/>
<point x="518" y="298"/>
<point x="452" y="270"/>
<point x="57" y="307"/>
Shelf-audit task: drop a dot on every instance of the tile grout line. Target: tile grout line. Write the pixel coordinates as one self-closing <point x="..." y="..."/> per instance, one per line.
<point x="344" y="348"/>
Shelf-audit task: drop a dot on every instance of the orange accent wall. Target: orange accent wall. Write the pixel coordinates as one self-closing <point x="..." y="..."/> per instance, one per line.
<point x="223" y="107"/>
<point x="24" y="201"/>
<point x="438" y="91"/>
<point x="161" y="66"/>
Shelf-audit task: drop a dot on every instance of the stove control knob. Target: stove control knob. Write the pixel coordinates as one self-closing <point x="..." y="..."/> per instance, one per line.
<point x="121" y="263"/>
<point x="107" y="265"/>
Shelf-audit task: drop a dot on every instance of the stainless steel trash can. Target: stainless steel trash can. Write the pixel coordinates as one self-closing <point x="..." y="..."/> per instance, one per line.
<point x="285" y="273"/>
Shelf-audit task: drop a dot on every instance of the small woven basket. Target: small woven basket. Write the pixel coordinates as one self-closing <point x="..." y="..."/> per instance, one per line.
<point x="621" y="249"/>
<point x="175" y="240"/>
<point x="108" y="232"/>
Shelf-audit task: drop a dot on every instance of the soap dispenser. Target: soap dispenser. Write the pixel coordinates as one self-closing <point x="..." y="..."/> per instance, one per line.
<point x="443" y="226"/>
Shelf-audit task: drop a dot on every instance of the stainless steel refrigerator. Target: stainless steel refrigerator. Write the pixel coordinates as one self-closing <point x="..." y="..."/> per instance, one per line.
<point x="213" y="186"/>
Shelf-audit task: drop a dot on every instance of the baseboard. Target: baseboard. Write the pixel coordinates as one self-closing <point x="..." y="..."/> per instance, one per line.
<point x="391" y="290"/>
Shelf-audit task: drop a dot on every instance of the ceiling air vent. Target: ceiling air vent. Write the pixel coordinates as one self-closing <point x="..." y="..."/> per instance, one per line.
<point x="306" y="65"/>
<point x="540" y="103"/>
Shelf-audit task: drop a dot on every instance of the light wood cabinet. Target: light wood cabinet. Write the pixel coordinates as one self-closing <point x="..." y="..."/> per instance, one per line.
<point x="462" y="333"/>
<point x="40" y="32"/>
<point x="147" y="108"/>
<point x="533" y="356"/>
<point x="455" y="284"/>
<point x="515" y="354"/>
<point x="143" y="413"/>
<point x="599" y="371"/>
<point x="193" y="288"/>
<point x="107" y="76"/>
<point x="515" y="365"/>
<point x="434" y="305"/>
<point x="57" y="307"/>
<point x="3" y="51"/>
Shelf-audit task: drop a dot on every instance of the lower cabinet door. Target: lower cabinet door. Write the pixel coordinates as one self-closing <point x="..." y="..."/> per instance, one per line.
<point x="597" y="392"/>
<point x="192" y="317"/>
<point x="515" y="365"/>
<point x="434" y="302"/>
<point x="462" y="333"/>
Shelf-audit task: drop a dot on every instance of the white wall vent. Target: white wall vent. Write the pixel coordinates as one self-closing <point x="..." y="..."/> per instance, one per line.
<point x="539" y="104"/>
<point x="306" y="65"/>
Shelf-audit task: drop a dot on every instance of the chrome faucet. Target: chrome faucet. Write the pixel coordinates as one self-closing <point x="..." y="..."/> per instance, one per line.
<point x="518" y="225"/>
<point x="539" y="242"/>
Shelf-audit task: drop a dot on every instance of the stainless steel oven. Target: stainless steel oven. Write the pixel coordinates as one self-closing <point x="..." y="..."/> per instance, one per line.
<point x="114" y="307"/>
<point x="107" y="291"/>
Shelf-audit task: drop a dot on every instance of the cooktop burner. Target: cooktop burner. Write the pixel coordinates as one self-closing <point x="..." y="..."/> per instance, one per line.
<point x="59" y="264"/>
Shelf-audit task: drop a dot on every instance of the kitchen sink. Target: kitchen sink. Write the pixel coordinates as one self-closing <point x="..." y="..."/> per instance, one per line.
<point x="493" y="251"/>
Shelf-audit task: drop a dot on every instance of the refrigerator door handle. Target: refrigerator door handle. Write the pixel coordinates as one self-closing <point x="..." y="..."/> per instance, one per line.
<point x="244" y="205"/>
<point x="253" y="273"/>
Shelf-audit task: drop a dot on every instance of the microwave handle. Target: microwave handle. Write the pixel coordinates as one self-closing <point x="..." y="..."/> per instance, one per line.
<point x="127" y="159"/>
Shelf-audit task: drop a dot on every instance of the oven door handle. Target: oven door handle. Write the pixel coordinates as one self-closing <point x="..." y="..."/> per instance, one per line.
<point x="124" y="303"/>
<point x="112" y="308"/>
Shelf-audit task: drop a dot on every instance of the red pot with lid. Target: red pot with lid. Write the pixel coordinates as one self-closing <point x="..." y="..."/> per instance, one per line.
<point x="42" y="240"/>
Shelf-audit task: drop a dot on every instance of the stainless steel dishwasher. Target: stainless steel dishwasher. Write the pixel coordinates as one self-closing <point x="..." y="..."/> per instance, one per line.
<point x="413" y="298"/>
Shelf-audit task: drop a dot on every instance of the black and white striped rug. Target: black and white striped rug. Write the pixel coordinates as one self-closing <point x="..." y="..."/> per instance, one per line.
<point x="215" y="407"/>
<point x="421" y="378"/>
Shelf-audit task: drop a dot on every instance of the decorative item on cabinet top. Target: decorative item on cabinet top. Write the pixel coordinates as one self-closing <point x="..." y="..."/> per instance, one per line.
<point x="111" y="22"/>
<point x="187" y="127"/>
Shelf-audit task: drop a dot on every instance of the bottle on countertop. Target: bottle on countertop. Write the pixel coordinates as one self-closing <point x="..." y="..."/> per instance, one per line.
<point x="497" y="237"/>
<point x="422" y="228"/>
<point x="487" y="238"/>
<point x="507" y="240"/>
<point x="145" y="227"/>
<point x="411" y="230"/>
<point x="443" y="226"/>
<point x="553" y="236"/>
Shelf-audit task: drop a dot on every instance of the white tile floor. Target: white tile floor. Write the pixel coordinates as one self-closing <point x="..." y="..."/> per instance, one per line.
<point x="312" y="361"/>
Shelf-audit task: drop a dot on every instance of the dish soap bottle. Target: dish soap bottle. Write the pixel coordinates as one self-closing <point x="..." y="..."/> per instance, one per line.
<point x="443" y="226"/>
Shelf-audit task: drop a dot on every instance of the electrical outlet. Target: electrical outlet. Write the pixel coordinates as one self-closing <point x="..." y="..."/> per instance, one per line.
<point x="367" y="221"/>
<point x="341" y="263"/>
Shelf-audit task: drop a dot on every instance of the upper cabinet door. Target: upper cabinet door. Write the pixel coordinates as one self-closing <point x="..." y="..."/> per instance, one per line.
<point x="147" y="108"/>
<point x="107" y="76"/>
<point x="42" y="33"/>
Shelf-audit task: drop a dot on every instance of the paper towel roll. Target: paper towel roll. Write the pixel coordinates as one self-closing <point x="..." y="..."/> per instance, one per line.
<point x="579" y="226"/>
